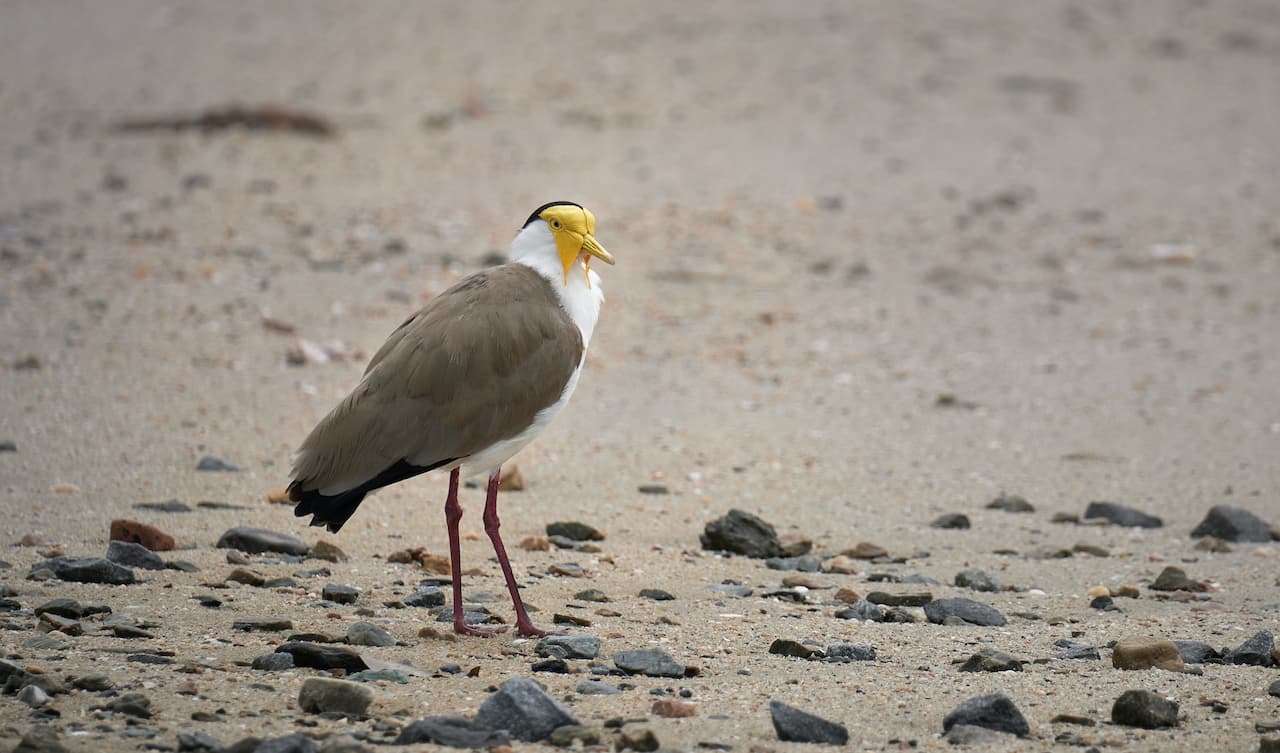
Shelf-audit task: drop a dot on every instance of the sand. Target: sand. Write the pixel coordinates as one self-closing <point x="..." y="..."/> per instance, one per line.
<point x="876" y="262"/>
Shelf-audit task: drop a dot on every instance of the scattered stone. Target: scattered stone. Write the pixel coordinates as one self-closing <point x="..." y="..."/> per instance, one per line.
<point x="1269" y="745"/>
<point x="1121" y="515"/>
<point x="569" y="646"/>
<point x="148" y="659"/>
<point x="523" y="709"/>
<point x="131" y="704"/>
<point x="640" y="739"/>
<point x="785" y="647"/>
<point x="652" y="662"/>
<point x="862" y="610"/>
<point x="71" y="609"/>
<point x="731" y="589"/>
<point x="1274" y="689"/>
<point x="865" y="550"/>
<point x="991" y="660"/>
<point x="847" y="596"/>
<point x="273" y="662"/>
<point x="318" y="656"/>
<point x="129" y="632"/>
<point x="380" y="675"/>
<point x="793" y="725"/>
<point x="741" y="532"/>
<point x="669" y="708"/>
<point x="653" y="489"/>
<point x="92" y="682"/>
<point x="1145" y="654"/>
<point x="453" y="732"/>
<point x="951" y="520"/>
<point x="87" y="570"/>
<point x="1257" y="651"/>
<point x="427" y="596"/>
<point x="133" y="555"/>
<point x="1233" y="524"/>
<point x="568" y="569"/>
<point x="574" y="734"/>
<point x="1083" y="721"/>
<point x="1076" y="650"/>
<point x="339" y="593"/>
<point x="132" y="531"/>
<point x="1142" y="708"/>
<point x="194" y="742"/>
<point x="40" y="740"/>
<point x="596" y="687"/>
<point x="259" y="540"/>
<point x="802" y="580"/>
<point x="901" y="600"/>
<point x="995" y="712"/>
<point x="262" y="624"/>
<point x="840" y="565"/>
<point x="1011" y="503"/>
<point x="1175" y="579"/>
<point x="1197" y="652"/>
<point x="804" y="563"/>
<point x="575" y="531"/>
<point x="368" y="634"/>
<point x="534" y="544"/>
<point x="1091" y="549"/>
<point x="247" y="577"/>
<point x="656" y="594"/>
<point x="34" y="696"/>
<point x="327" y="551"/>
<point x="978" y="581"/>
<point x="1104" y="603"/>
<point x="322" y="694"/>
<point x="1213" y="544"/>
<point x="210" y="463"/>
<point x="850" y="652"/>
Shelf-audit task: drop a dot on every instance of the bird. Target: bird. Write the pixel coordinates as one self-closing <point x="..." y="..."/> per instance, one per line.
<point x="464" y="384"/>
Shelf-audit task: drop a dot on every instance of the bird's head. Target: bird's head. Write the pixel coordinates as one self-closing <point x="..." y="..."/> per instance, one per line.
<point x="572" y="230"/>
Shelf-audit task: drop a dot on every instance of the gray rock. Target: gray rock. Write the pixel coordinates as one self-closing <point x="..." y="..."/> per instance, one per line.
<point x="295" y="743"/>
<point x="169" y="505"/>
<point x="1274" y="689"/>
<point x="731" y="589"/>
<point x="1232" y="524"/>
<point x="900" y="600"/>
<point x="1076" y="650"/>
<point x="991" y="660"/>
<point x="380" y="675"/>
<point x="262" y="624"/>
<point x="995" y="711"/>
<point x="847" y="652"/>
<point x="130" y="554"/>
<point x="318" y="656"/>
<point x="569" y="646"/>
<point x="1197" y="652"/>
<point x="968" y="734"/>
<point x="574" y="531"/>
<point x="40" y="740"/>
<point x="93" y="682"/>
<point x="1011" y="503"/>
<point x="322" y="694"/>
<point x="793" y="725"/>
<point x="1121" y="515"/>
<point x="571" y="734"/>
<point x="652" y="662"/>
<point x="784" y="647"/>
<point x="368" y="634"/>
<point x="804" y="563"/>
<point x="1142" y="708"/>
<point x="1256" y="651"/>
<point x="34" y="696"/>
<point x="339" y="593"/>
<point x="429" y="596"/>
<point x="656" y="594"/>
<point x="977" y="580"/>
<point x="210" y="463"/>
<point x="259" y="540"/>
<point x="951" y="520"/>
<point x="451" y="731"/>
<point x="1175" y="579"/>
<point x="524" y="710"/>
<point x="593" y="595"/>
<point x="87" y="570"/>
<point x="131" y="704"/>
<point x="596" y="687"/>
<point x="193" y="742"/>
<point x="970" y="611"/>
<point x="741" y="532"/>
<point x="862" y="610"/>
<point x="273" y="662"/>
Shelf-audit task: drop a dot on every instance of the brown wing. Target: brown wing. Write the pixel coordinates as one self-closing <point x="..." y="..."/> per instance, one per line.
<point x="471" y="368"/>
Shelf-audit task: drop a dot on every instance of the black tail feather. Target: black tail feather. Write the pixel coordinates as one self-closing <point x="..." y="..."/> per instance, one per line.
<point x="333" y="511"/>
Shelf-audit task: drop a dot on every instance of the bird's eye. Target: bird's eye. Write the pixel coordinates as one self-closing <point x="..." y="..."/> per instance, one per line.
<point x="555" y="224"/>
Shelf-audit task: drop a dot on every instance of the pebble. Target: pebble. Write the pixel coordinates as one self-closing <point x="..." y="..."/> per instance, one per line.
<point x="87" y="570"/>
<point x="192" y="742"/>
<point x="1257" y="650"/>
<point x="793" y="725"/>
<point x="554" y="665"/>
<point x="995" y="712"/>
<point x="596" y="687"/>
<point x="524" y="710"/>
<point x="847" y="596"/>
<point x="1233" y="524"/>
<point x="368" y="634"/>
<point x="669" y="708"/>
<point x="1075" y="650"/>
<point x="574" y="734"/>
<point x="653" y="489"/>
<point x="1274" y="689"/>
<point x="951" y="521"/>
<point x="273" y="662"/>
<point x="968" y="610"/>
<point x="327" y="551"/>
<point x="568" y="569"/>
<point x="802" y="580"/>
<point x="740" y="532"/>
<point x="1175" y="579"/>
<point x="451" y="731"/>
<point x="168" y="505"/>
<point x="71" y="608"/>
<point x="1213" y="544"/>
<point x="318" y="656"/>
<point x="380" y="675"/>
<point x="262" y="624"/>
<point x="1143" y="708"/>
<point x="865" y="550"/>
<point x="40" y="740"/>
<point x="133" y="555"/>
<point x="804" y="563"/>
<point x="33" y="696"/>
<point x="259" y="540"/>
<point x="569" y="646"/>
<point x="850" y="652"/>
<point x="731" y="589"/>
<point x="339" y="593"/>
<point x="656" y="594"/>
<point x="1269" y="745"/>
<point x="785" y="647"/>
<point x="1011" y="503"/>
<point x="123" y="529"/>
<point x="429" y="596"/>
<point x="919" y="599"/>
<point x="129" y="632"/>
<point x="574" y="531"/>
<point x="1145" y="653"/>
<point x="131" y="704"/>
<point x="1121" y="515"/>
<point x="977" y="580"/>
<point x="652" y="662"/>
<point x="968" y="734"/>
<point x="247" y="577"/>
<point x="1197" y="652"/>
<point x="862" y="610"/>
<point x="637" y="738"/>
<point x="92" y="682"/>
<point x="840" y="565"/>
<point x="323" y="694"/>
<point x="991" y="660"/>
<point x="211" y="463"/>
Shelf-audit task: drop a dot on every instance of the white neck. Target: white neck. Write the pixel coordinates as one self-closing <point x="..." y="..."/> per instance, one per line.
<point x="535" y="248"/>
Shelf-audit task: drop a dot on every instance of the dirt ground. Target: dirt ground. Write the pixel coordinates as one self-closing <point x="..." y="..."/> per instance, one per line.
<point x="876" y="262"/>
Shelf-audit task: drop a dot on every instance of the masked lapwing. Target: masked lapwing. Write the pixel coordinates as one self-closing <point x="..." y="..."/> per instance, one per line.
<point x="463" y="385"/>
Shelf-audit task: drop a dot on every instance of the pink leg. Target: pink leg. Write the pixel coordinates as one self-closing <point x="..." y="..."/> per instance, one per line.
<point x="453" y="514"/>
<point x="524" y="626"/>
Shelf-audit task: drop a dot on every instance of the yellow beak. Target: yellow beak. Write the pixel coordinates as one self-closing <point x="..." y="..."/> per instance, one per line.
<point x="591" y="246"/>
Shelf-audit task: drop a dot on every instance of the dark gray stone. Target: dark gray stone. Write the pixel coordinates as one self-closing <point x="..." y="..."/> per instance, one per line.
<point x="804" y="563"/>
<point x="862" y="610"/>
<point x="71" y="609"/>
<point x="1197" y="652"/>
<point x="1142" y="708"/>
<point x="339" y="593"/>
<point x="741" y="532"/>
<point x="40" y="740"/>
<point x="1175" y="579"/>
<point x="569" y="646"/>
<point x="900" y="600"/>
<point x="574" y="531"/>
<point x="210" y="463"/>
<point x="1232" y="524"/>
<point x="273" y="662"/>
<point x="1076" y="650"/>
<point x="319" y="656"/>
<point x="848" y="652"/>
<point x="169" y="505"/>
<point x="452" y="732"/>
<point x="952" y="521"/>
<point x="1274" y="689"/>
<point x="652" y="662"/>
<point x="596" y="687"/>
<point x="991" y="660"/>
<point x="295" y="743"/>
<point x="995" y="711"/>
<point x="259" y="540"/>
<point x="429" y="596"/>
<point x="369" y="634"/>
<point x="1122" y="515"/>
<point x="1011" y="503"/>
<point x="966" y="609"/>
<point x="793" y="725"/>
<point x="656" y="594"/>
<point x="1256" y="651"/>
<point x="380" y="675"/>
<point x="524" y="710"/>
<point x="87" y="570"/>
<point x="192" y="742"/>
<point x="262" y="624"/>
<point x="784" y="647"/>
<point x="325" y="694"/>
<point x="131" y="704"/>
<point x="977" y="580"/>
<point x="130" y="554"/>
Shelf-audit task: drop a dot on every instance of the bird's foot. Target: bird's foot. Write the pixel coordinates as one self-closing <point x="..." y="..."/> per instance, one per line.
<point x="529" y="630"/>
<point x="462" y="628"/>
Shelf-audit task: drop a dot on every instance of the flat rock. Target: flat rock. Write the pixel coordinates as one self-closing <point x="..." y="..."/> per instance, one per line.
<point x="380" y="675"/>
<point x="840" y="565"/>
<point x="656" y="594"/>
<point x="87" y="570"/>
<point x="569" y="646"/>
<point x="1011" y="503"/>
<point x="862" y="610"/>
<point x="731" y="589"/>
<point x="865" y="550"/>
<point x="977" y="580"/>
<point x="596" y="687"/>
<point x="168" y="505"/>
<point x="995" y="711"/>
<point x="524" y="710"/>
<point x="319" y="656"/>
<point x="968" y="734"/>
<point x="900" y="600"/>
<point x="970" y="611"/>
<point x="430" y="596"/>
<point x="1121" y="515"/>
<point x="71" y="608"/>
<point x="339" y="593"/>
<point x="952" y="521"/>
<point x="1142" y="708"/>
<point x="992" y="660"/>
<point x="123" y="529"/>
<point x="1197" y="652"/>
<point x="295" y="743"/>
<point x="192" y="742"/>
<point x="327" y="551"/>
<point x="669" y="708"/>
<point x="133" y="555"/>
<point x="651" y="662"/>
<point x="793" y="725"/>
<point x="452" y="732"/>
<point x="259" y="540"/>
<point x="323" y="694"/>
<point x="785" y="647"/>
<point x="804" y="563"/>
<point x="40" y="740"/>
<point x="1232" y="524"/>
<point x="1175" y="579"/>
<point x="262" y="624"/>
<point x="1141" y="653"/>
<point x="574" y="531"/>
<point x="849" y="652"/>
<point x="741" y="532"/>
<point x="1075" y="650"/>
<point x="368" y="634"/>
<point x="211" y="463"/>
<point x="1257" y="650"/>
<point x="273" y="662"/>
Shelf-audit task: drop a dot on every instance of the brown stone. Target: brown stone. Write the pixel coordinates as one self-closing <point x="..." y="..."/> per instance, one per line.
<point x="511" y="479"/>
<point x="327" y="551"/>
<point x="1145" y="653"/>
<point x="673" y="709"/>
<point x="247" y="577"/>
<point x="534" y="544"/>
<point x="848" y="595"/>
<point x="865" y="550"/>
<point x="140" y="533"/>
<point x="840" y="564"/>
<point x="279" y="497"/>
